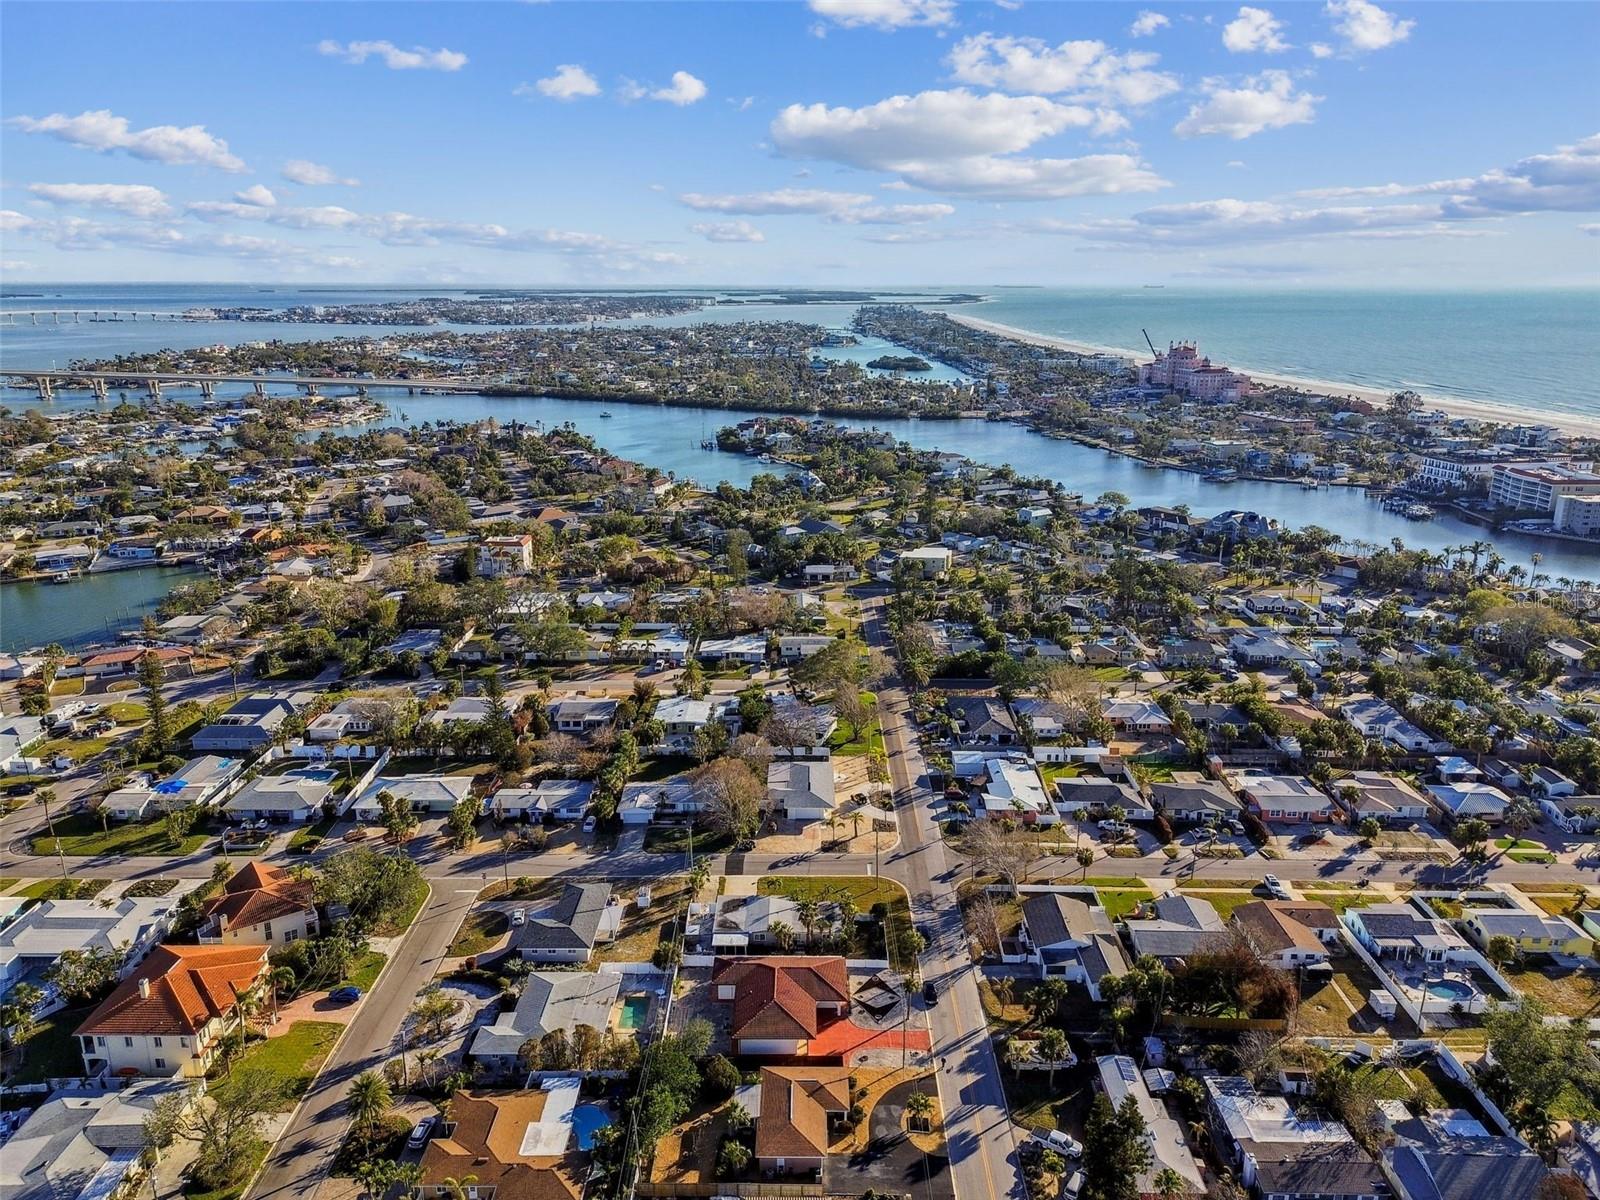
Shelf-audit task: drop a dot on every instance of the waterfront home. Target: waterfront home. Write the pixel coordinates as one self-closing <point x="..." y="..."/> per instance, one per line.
<point x="195" y="629"/>
<point x="583" y="917"/>
<point x="1118" y="1078"/>
<point x="1069" y="939"/>
<point x="797" y="1110"/>
<point x="1284" y="798"/>
<point x="780" y="1004"/>
<point x="64" y="558"/>
<point x="1385" y="798"/>
<point x="1467" y="800"/>
<point x="1530" y="932"/>
<point x="32" y="942"/>
<point x="1288" y="933"/>
<point x="117" y="663"/>
<point x="512" y="1145"/>
<point x="550" y="1001"/>
<point x="169" y="1017"/>
<point x="1282" y="1154"/>
<point x="801" y="789"/>
<point x="249" y="724"/>
<point x="560" y="799"/>
<point x="422" y="794"/>
<point x="261" y="905"/>
<point x="582" y="714"/>
<point x="291" y="798"/>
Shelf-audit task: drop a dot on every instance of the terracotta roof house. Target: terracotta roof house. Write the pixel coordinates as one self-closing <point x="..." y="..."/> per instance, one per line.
<point x="798" y="1108"/>
<point x="1288" y="933"/>
<point x="261" y="905"/>
<point x="168" y="1016"/>
<point x="500" y="1139"/>
<point x="779" y="1004"/>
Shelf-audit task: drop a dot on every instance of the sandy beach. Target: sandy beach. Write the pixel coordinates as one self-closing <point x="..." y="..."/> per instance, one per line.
<point x="1472" y="410"/>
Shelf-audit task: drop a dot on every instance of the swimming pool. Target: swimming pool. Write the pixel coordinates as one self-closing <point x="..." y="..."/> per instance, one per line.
<point x="319" y="774"/>
<point x="634" y="1011"/>
<point x="1450" y="989"/>
<point x="587" y="1120"/>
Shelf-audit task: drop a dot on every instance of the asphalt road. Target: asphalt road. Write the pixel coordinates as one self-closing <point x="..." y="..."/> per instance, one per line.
<point x="978" y="1129"/>
<point x="299" y="1162"/>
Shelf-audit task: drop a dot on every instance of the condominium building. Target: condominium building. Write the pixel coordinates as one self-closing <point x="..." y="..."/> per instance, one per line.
<point x="1536" y="489"/>
<point x="1578" y="515"/>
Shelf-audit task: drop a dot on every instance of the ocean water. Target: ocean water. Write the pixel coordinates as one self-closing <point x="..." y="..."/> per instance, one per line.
<point x="1534" y="350"/>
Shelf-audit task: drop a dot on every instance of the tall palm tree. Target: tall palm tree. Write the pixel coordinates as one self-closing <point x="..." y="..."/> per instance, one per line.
<point x="1053" y="1049"/>
<point x="45" y="797"/>
<point x="279" y="979"/>
<point x="920" y="1106"/>
<point x="370" y="1099"/>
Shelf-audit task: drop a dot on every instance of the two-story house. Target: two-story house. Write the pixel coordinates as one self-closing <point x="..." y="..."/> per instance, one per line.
<point x="261" y="905"/>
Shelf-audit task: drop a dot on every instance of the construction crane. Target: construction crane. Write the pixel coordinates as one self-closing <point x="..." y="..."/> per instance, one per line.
<point x="1148" y="342"/>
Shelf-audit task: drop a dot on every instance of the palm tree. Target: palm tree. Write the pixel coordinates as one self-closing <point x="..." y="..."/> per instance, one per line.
<point x="46" y="795"/>
<point x="456" y="1189"/>
<point x="920" y="1106"/>
<point x="782" y="934"/>
<point x="279" y="979"/>
<point x="1053" y="1049"/>
<point x="370" y="1099"/>
<point x="806" y="910"/>
<point x="1169" y="1184"/>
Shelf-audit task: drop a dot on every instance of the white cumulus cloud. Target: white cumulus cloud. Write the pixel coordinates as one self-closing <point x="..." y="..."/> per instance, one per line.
<point x="103" y="131"/>
<point x="885" y="14"/>
<point x="418" y="58"/>
<point x="955" y="141"/>
<point x="1265" y="101"/>
<point x="135" y="199"/>
<point x="256" y="194"/>
<point x="1147" y="23"/>
<point x="728" y="231"/>
<point x="1364" y="26"/>
<point x="684" y="89"/>
<point x="1254" y="29"/>
<point x="1088" y="70"/>
<point x="783" y="201"/>
<point x="303" y="171"/>
<point x="570" y="82"/>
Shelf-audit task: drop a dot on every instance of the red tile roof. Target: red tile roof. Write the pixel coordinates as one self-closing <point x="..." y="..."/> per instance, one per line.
<point x="258" y="893"/>
<point x="778" y="997"/>
<point x="188" y="986"/>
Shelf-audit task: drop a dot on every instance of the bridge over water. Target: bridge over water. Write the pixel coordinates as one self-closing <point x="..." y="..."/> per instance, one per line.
<point x="100" y="382"/>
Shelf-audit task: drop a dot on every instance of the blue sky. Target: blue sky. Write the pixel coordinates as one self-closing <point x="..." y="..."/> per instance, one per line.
<point x="832" y="142"/>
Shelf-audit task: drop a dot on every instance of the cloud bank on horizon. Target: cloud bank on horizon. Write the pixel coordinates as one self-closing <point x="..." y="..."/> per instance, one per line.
<point x="1445" y="144"/>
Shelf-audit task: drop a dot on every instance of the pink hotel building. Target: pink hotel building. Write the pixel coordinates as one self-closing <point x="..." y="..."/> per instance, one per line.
<point x="1182" y="369"/>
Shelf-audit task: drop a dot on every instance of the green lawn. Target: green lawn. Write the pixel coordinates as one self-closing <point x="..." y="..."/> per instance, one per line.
<point x="479" y="932"/>
<point x="306" y="839"/>
<point x="77" y="749"/>
<point x="1119" y="903"/>
<point x="865" y="891"/>
<point x="1224" y="902"/>
<point x="81" y="835"/>
<point x="674" y="839"/>
<point x="295" y="1055"/>
<point x="50" y="1050"/>
<point x="127" y="712"/>
<point x="151" y="887"/>
<point x="868" y="740"/>
<point x="63" y="889"/>
<point x="363" y="973"/>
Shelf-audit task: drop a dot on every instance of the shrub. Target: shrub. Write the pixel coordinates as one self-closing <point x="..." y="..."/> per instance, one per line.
<point x="722" y="1077"/>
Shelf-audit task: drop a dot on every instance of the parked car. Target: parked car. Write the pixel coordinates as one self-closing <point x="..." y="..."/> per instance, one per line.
<point x="420" y="1133"/>
<point x="345" y="995"/>
<point x="930" y="994"/>
<point x="519" y="916"/>
<point x="588" y="824"/>
<point x="1275" y="888"/>
<point x="1061" y="1143"/>
<point x="1071" y="1188"/>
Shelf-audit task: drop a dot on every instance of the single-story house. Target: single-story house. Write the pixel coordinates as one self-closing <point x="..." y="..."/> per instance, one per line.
<point x="802" y="789"/>
<point x="295" y="796"/>
<point x="1288" y="933"/>
<point x="583" y="714"/>
<point x="1189" y="798"/>
<point x="1469" y="799"/>
<point x="798" y="1109"/>
<point x="568" y="931"/>
<point x="1531" y="932"/>
<point x="550" y="1000"/>
<point x="1385" y="798"/>
<point x="1284" y="798"/>
<point x="563" y="799"/>
<point x="424" y="794"/>
<point x="780" y="1004"/>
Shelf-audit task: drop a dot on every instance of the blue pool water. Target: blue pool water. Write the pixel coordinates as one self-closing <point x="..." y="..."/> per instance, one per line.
<point x="634" y="1011"/>
<point x="1449" y="989"/>
<point x="320" y="774"/>
<point x="587" y="1119"/>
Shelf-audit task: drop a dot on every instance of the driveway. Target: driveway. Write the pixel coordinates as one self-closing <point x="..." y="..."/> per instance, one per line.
<point x="891" y="1162"/>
